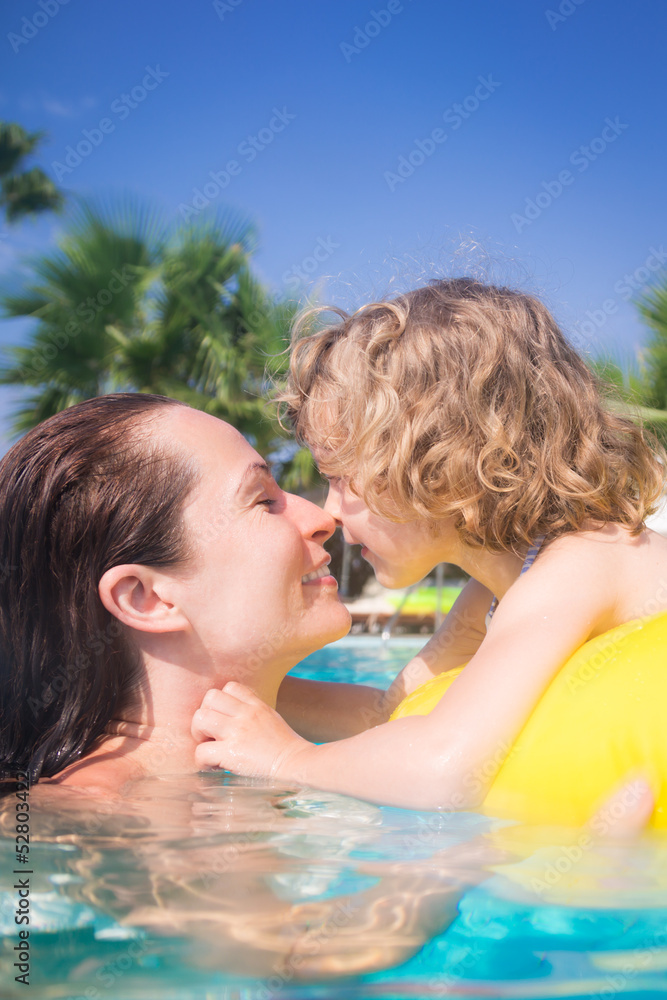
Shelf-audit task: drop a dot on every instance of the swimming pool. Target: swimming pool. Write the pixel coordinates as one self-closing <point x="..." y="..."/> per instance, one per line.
<point x="212" y="886"/>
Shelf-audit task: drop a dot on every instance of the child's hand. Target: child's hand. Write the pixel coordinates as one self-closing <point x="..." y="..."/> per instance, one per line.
<point x="626" y="813"/>
<point x="236" y="730"/>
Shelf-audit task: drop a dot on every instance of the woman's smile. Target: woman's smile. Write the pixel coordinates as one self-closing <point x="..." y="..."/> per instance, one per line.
<point x="320" y="577"/>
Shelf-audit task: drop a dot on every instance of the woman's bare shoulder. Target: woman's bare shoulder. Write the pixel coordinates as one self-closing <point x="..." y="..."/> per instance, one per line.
<point x="105" y="771"/>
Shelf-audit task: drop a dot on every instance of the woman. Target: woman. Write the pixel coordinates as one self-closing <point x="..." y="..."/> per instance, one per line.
<point x="149" y="556"/>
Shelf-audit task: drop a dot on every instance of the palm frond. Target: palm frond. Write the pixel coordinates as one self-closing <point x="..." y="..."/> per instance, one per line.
<point x="122" y="303"/>
<point x="15" y="145"/>
<point x="652" y="306"/>
<point x="29" y="194"/>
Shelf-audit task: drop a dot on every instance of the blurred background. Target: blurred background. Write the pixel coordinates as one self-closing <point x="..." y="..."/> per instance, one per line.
<point x="178" y="180"/>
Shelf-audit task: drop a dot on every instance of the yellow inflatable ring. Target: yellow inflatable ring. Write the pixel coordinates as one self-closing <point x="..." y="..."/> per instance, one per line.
<point x="603" y="718"/>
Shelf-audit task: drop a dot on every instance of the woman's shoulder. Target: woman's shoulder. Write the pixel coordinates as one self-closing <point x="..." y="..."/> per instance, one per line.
<point x="103" y="772"/>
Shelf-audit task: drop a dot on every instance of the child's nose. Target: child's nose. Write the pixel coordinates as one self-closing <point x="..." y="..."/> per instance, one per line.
<point x="332" y="504"/>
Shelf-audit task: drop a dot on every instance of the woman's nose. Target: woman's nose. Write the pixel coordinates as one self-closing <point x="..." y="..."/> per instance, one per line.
<point x="313" y="521"/>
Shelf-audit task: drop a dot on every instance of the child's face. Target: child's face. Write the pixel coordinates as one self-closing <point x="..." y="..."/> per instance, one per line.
<point x="400" y="554"/>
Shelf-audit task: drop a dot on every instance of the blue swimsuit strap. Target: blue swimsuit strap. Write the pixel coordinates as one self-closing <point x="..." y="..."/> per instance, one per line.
<point x="527" y="563"/>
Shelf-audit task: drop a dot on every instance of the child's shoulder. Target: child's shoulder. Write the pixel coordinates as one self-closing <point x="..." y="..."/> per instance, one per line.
<point x="630" y="569"/>
<point x="611" y="541"/>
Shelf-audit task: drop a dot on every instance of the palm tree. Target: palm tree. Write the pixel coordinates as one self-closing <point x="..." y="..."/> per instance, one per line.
<point x="214" y="330"/>
<point x="653" y="308"/>
<point x="640" y="391"/>
<point x="23" y="192"/>
<point x="96" y="279"/>
<point x="123" y="304"/>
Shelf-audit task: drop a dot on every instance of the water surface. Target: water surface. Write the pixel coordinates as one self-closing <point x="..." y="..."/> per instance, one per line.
<point x="209" y="886"/>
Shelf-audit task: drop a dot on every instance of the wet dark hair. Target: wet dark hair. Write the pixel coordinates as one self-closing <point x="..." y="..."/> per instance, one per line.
<point x="83" y="491"/>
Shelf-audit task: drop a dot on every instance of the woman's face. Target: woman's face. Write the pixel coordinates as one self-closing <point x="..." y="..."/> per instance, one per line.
<point x="400" y="554"/>
<point x="257" y="591"/>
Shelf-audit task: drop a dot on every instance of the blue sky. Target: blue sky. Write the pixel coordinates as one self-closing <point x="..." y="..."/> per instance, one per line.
<point x="529" y="137"/>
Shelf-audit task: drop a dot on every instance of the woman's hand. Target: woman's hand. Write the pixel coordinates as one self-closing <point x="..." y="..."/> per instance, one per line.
<point x="236" y="730"/>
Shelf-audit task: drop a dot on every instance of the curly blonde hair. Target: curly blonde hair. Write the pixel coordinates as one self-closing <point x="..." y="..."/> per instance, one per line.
<point x="465" y="400"/>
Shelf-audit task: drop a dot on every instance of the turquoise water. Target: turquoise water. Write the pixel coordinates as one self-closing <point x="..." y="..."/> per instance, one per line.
<point x="211" y="886"/>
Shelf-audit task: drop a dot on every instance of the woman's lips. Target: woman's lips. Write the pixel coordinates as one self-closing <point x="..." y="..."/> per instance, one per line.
<point x="322" y="581"/>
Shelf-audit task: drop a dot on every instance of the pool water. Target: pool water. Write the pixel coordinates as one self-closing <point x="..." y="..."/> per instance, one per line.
<point x="210" y="886"/>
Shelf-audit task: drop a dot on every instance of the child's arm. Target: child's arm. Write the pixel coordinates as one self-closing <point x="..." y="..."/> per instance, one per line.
<point x="456" y="641"/>
<point x="435" y="761"/>
<point x="325" y="710"/>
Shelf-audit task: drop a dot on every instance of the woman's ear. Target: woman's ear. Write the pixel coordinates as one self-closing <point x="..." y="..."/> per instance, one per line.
<point x="140" y="597"/>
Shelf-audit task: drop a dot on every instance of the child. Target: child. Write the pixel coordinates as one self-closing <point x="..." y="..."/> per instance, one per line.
<point x="456" y="424"/>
